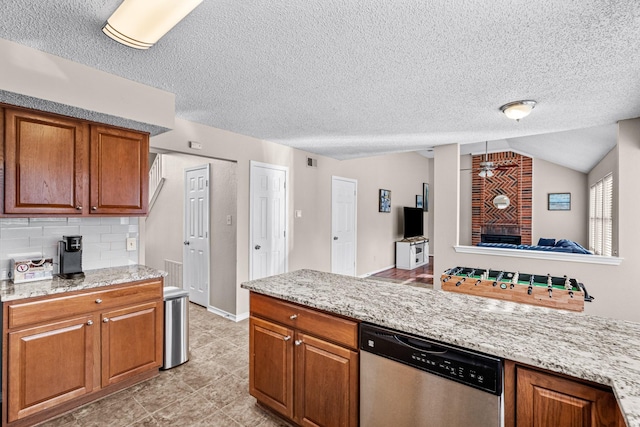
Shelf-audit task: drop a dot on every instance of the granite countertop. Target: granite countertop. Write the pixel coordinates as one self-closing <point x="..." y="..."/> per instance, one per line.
<point x="92" y="279"/>
<point x="602" y="350"/>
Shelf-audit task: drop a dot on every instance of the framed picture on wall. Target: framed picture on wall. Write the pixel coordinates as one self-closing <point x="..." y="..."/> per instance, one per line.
<point x="419" y="201"/>
<point x="425" y="197"/>
<point x="559" y="201"/>
<point x="385" y="201"/>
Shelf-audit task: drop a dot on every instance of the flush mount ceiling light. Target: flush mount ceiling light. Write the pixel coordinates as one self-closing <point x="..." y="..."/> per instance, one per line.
<point x="141" y="23"/>
<point x="518" y="109"/>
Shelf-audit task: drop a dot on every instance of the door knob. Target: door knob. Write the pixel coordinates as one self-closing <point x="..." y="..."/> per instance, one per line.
<point x="186" y="242"/>
<point x="258" y="247"/>
<point x="335" y="237"/>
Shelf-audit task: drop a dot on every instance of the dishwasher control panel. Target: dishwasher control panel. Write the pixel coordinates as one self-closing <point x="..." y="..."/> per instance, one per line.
<point x="464" y="366"/>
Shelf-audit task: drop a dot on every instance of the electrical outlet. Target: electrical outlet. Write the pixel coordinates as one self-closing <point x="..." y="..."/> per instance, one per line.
<point x="132" y="244"/>
<point x="228" y="219"/>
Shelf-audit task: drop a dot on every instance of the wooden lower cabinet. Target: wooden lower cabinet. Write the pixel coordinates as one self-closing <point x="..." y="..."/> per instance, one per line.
<point x="326" y="383"/>
<point x="131" y="341"/>
<point x="303" y="374"/>
<point x="52" y="363"/>
<point x="536" y="398"/>
<point x="271" y="365"/>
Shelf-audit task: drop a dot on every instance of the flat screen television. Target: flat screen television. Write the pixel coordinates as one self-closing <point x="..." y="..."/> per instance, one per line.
<point x="413" y="222"/>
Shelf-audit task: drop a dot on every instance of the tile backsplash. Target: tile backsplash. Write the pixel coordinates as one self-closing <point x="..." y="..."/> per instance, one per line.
<point x="104" y="239"/>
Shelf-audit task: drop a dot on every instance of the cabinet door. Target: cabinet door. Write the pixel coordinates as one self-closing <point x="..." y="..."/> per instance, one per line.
<point x="119" y="178"/>
<point x="326" y="378"/>
<point x="548" y="400"/>
<point x="271" y="365"/>
<point x="49" y="365"/>
<point x="132" y="341"/>
<point x="46" y="164"/>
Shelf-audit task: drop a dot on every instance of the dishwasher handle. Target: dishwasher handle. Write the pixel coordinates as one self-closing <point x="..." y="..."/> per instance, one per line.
<point x="420" y="345"/>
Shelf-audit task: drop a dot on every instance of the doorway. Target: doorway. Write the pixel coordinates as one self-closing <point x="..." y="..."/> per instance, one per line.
<point x="196" y="234"/>
<point x="344" y="193"/>
<point x="268" y="220"/>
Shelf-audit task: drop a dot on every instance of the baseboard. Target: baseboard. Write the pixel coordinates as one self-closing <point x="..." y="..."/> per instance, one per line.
<point x="222" y="313"/>
<point x="377" y="271"/>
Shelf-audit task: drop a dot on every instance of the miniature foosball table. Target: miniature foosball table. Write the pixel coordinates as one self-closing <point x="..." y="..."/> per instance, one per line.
<point x="543" y="290"/>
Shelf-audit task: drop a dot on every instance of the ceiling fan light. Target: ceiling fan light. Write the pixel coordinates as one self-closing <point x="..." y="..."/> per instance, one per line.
<point x="141" y="23"/>
<point x="518" y="109"/>
<point x="485" y="173"/>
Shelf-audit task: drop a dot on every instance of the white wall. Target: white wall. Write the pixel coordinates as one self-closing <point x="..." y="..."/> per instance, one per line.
<point x="33" y="73"/>
<point x="310" y="191"/>
<point x="103" y="239"/>
<point x="164" y="234"/>
<point x="613" y="286"/>
<point x="573" y="224"/>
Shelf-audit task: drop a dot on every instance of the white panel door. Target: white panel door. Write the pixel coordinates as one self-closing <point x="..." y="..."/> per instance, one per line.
<point x="196" y="234"/>
<point x="268" y="255"/>
<point x="343" y="225"/>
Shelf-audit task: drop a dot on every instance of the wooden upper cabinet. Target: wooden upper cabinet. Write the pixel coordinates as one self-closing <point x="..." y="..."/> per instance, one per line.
<point x="46" y="164"/>
<point x="55" y="165"/>
<point x="119" y="171"/>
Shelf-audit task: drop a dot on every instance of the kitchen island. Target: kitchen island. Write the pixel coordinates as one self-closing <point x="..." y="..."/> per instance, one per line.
<point x="67" y="342"/>
<point x="599" y="350"/>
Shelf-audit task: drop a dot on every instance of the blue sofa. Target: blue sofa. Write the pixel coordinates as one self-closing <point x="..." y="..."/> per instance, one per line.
<point x="546" y="245"/>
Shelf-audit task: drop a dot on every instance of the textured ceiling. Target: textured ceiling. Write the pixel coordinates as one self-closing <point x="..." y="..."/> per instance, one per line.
<point x="350" y="78"/>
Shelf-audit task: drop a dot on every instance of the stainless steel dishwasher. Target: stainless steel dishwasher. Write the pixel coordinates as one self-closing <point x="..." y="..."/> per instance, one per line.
<point x="407" y="381"/>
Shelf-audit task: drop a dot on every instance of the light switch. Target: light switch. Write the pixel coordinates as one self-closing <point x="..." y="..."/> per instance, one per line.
<point x="298" y="214"/>
<point x="228" y="219"/>
<point x="132" y="244"/>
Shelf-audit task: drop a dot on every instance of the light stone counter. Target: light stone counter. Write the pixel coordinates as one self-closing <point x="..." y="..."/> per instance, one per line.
<point x="605" y="351"/>
<point x="92" y="279"/>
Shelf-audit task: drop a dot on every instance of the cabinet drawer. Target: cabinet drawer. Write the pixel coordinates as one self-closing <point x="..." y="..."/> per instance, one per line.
<point x="326" y="326"/>
<point x="26" y="313"/>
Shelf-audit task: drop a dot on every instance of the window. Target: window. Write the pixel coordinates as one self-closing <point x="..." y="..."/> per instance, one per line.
<point x="601" y="216"/>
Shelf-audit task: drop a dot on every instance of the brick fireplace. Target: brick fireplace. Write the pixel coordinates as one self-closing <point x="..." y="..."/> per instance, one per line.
<point x="514" y="182"/>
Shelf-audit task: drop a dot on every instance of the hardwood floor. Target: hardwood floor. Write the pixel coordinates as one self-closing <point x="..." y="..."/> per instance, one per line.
<point x="421" y="276"/>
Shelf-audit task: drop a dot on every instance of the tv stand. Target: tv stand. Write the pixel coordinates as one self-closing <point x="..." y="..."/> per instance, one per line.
<point x="412" y="253"/>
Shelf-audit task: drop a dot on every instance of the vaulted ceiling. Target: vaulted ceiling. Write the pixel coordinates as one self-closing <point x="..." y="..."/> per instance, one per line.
<point x="352" y="78"/>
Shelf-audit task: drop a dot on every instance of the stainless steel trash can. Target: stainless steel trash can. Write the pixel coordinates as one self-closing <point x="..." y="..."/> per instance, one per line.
<point x="176" y="327"/>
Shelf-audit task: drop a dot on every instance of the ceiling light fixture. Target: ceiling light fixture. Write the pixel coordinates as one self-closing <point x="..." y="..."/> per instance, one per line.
<point x="518" y="109"/>
<point x="141" y="23"/>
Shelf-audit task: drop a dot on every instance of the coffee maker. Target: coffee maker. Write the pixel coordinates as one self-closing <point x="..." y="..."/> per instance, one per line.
<point x="70" y="249"/>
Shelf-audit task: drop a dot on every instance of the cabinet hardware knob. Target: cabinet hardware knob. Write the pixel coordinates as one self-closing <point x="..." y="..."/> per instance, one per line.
<point x="293" y="317"/>
<point x="186" y="242"/>
<point x="257" y="247"/>
<point x="94" y="208"/>
<point x="78" y="208"/>
<point x="298" y="342"/>
<point x="105" y="320"/>
<point x="335" y="237"/>
<point x="287" y="338"/>
<point x="98" y="301"/>
<point x="89" y="322"/>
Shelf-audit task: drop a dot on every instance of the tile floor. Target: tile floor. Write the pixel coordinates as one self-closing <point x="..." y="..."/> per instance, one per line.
<point x="211" y="390"/>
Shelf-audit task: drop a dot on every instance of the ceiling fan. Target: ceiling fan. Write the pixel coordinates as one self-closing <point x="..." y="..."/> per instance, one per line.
<point x="487" y="168"/>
